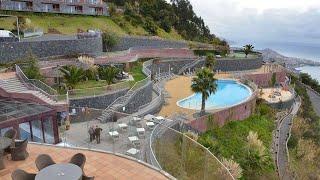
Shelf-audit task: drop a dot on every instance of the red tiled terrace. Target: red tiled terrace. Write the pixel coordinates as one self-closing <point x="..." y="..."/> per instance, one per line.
<point x="101" y="165"/>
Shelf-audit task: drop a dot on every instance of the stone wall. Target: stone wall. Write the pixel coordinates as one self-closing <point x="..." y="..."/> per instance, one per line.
<point x="282" y="105"/>
<point x="236" y="113"/>
<point x="225" y="64"/>
<point x="264" y="79"/>
<point x="142" y="97"/>
<point x="174" y="64"/>
<point x="11" y="51"/>
<point x="137" y="42"/>
<point x="8" y="39"/>
<point x="97" y="102"/>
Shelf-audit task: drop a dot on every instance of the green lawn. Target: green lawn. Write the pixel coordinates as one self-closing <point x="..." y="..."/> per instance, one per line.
<point x="136" y="71"/>
<point x="91" y="84"/>
<point x="69" y="24"/>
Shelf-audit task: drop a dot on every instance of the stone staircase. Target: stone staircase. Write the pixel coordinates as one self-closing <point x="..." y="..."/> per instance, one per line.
<point x="14" y="85"/>
<point x="120" y="102"/>
<point x="190" y="65"/>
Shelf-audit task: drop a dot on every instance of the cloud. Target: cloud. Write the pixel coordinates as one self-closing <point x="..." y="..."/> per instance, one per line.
<point x="262" y="20"/>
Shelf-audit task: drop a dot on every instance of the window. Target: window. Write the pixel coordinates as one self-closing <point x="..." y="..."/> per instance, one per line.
<point x="25" y="131"/>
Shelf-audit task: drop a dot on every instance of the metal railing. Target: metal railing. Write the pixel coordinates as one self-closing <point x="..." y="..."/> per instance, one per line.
<point x="37" y="85"/>
<point x="174" y="151"/>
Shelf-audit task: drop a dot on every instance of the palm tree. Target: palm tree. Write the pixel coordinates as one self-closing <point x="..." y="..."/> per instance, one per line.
<point x="210" y="61"/>
<point x="72" y="75"/>
<point x="248" y="49"/>
<point x="204" y="83"/>
<point x="108" y="73"/>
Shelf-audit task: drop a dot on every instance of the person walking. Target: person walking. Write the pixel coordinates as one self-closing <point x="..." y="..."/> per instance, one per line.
<point x="91" y="133"/>
<point x="97" y="133"/>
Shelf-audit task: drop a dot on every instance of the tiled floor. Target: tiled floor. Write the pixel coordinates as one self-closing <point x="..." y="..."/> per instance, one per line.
<point x="101" y="165"/>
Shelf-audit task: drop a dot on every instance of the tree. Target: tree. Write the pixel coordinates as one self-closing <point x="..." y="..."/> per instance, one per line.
<point x="112" y="10"/>
<point x="109" y="40"/>
<point x="72" y="75"/>
<point x="210" y="61"/>
<point x="108" y="73"/>
<point x="248" y="49"/>
<point x="32" y="71"/>
<point x="204" y="83"/>
<point x="273" y="79"/>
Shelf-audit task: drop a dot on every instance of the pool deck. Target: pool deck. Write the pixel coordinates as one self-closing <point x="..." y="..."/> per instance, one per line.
<point x="180" y="88"/>
<point x="285" y="95"/>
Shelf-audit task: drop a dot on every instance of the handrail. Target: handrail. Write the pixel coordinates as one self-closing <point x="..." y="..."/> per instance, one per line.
<point x="192" y="140"/>
<point x="192" y="64"/>
<point x="37" y="84"/>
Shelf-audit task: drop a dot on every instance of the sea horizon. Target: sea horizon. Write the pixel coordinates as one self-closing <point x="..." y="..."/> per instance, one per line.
<point x="309" y="51"/>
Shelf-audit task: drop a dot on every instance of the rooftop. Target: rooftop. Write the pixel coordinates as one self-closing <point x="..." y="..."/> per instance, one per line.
<point x="15" y="109"/>
<point x="99" y="164"/>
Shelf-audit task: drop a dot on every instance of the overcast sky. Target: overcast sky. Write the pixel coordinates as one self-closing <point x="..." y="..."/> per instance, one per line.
<point x="262" y="20"/>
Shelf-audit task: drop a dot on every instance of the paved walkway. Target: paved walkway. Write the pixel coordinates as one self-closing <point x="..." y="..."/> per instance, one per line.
<point x="282" y="136"/>
<point x="101" y="165"/>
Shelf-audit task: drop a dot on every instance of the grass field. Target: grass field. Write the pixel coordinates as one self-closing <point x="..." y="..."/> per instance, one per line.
<point x="69" y="24"/>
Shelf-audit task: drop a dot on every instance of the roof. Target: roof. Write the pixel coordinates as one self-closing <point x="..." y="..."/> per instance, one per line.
<point x="15" y="109"/>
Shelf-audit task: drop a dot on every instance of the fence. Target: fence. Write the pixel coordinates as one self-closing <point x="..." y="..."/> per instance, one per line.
<point x="38" y="85"/>
<point x="148" y="139"/>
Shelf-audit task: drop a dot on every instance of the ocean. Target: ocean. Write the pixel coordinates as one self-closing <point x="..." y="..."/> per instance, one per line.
<point x="310" y="51"/>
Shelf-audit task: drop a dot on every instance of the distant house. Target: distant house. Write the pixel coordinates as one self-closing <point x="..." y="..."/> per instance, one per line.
<point x="85" y="7"/>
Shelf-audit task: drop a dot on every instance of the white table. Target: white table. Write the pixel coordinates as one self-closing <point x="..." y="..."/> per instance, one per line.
<point x="133" y="151"/>
<point x="114" y="133"/>
<point x="150" y="124"/>
<point x="123" y="126"/>
<point x="133" y="139"/>
<point x="64" y="171"/>
<point x="159" y="118"/>
<point x="136" y="119"/>
<point x="141" y="131"/>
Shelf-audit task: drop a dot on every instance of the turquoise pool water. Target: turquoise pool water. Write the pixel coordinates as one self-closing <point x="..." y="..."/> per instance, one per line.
<point x="229" y="93"/>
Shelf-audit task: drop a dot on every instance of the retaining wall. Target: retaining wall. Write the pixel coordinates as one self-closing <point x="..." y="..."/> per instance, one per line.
<point x="97" y="102"/>
<point x="11" y="51"/>
<point x="236" y="113"/>
<point x="264" y="80"/>
<point x="142" y="97"/>
<point x="146" y="42"/>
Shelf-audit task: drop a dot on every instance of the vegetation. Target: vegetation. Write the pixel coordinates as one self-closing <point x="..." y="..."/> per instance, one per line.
<point x="247" y="49"/>
<point x="204" y="83"/>
<point x="304" y="143"/>
<point x="246" y="142"/>
<point x="136" y="71"/>
<point x="109" y="40"/>
<point x="108" y="73"/>
<point x="307" y="79"/>
<point x="273" y="79"/>
<point x="71" y="24"/>
<point x="210" y="61"/>
<point x="72" y="75"/>
<point x="159" y="14"/>
<point x="32" y="70"/>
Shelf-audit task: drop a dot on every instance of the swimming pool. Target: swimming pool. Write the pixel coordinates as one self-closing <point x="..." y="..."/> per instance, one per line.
<point x="229" y="93"/>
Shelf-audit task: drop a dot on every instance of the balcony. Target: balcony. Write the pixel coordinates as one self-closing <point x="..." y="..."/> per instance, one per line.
<point x="102" y="165"/>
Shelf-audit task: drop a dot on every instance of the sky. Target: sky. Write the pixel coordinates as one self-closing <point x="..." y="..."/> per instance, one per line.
<point x="262" y="20"/>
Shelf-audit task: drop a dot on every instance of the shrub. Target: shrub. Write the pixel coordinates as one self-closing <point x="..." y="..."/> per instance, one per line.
<point x="109" y="40"/>
<point x="32" y="70"/>
<point x="150" y="26"/>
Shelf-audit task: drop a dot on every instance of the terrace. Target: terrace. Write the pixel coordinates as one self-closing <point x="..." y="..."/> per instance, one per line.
<point x="101" y="165"/>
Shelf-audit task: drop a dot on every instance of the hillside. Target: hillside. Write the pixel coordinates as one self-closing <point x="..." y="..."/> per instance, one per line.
<point x="69" y="24"/>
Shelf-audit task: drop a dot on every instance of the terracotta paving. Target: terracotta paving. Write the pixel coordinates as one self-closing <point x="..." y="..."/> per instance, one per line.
<point x="100" y="165"/>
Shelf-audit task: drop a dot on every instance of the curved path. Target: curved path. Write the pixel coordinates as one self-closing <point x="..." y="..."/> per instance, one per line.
<point x="282" y="137"/>
<point x="315" y="100"/>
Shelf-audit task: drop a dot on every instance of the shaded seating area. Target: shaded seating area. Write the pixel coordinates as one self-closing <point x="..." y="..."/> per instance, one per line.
<point x="48" y="169"/>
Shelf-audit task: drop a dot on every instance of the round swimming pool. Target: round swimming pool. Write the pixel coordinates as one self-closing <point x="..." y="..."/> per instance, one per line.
<point x="229" y="93"/>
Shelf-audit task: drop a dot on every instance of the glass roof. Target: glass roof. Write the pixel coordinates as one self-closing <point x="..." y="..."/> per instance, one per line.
<point x="15" y="109"/>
